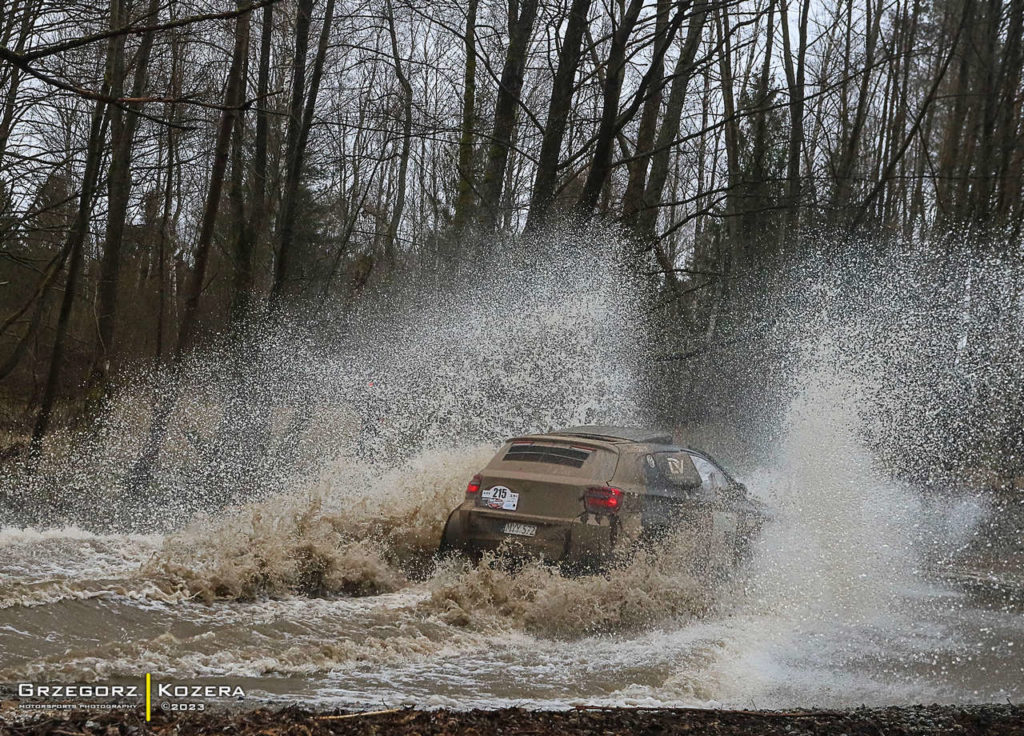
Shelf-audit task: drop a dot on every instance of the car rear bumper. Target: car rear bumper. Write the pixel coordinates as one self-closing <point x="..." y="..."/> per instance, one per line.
<point x="557" y="540"/>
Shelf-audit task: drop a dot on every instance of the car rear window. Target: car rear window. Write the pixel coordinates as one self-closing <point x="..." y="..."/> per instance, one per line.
<point x="574" y="457"/>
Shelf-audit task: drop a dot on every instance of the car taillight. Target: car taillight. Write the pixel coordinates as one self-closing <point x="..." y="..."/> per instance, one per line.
<point x="603" y="499"/>
<point x="474" y="485"/>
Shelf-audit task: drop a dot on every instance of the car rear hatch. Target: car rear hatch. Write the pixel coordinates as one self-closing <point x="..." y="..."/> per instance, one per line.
<point x="550" y="476"/>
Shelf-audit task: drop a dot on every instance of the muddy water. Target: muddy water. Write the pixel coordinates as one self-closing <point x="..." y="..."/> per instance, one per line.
<point x="325" y="598"/>
<point x="317" y="583"/>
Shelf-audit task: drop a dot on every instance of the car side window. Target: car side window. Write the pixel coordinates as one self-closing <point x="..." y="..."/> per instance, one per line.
<point x="675" y="473"/>
<point x="712" y="477"/>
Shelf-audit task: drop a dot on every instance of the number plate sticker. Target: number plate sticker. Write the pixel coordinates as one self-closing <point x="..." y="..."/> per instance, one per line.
<point x="523" y="530"/>
<point x="499" y="497"/>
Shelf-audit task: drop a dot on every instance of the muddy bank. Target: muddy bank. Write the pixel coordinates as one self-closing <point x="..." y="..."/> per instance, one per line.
<point x="932" y="719"/>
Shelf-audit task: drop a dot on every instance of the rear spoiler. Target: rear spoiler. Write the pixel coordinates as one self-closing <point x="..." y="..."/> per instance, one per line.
<point x="594" y="443"/>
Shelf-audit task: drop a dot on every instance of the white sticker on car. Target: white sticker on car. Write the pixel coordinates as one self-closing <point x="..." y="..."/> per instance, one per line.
<point x="500" y="497"/>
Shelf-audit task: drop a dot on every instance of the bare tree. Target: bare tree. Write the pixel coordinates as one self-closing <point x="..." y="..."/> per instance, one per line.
<point x="75" y="245"/>
<point x="522" y="14"/>
<point x="300" y="120"/>
<point x="123" y="124"/>
<point x="466" y="194"/>
<point x="796" y="73"/>
<point x="569" y="55"/>
<point x="403" y="157"/>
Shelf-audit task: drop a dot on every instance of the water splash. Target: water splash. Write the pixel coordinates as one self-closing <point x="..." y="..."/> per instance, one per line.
<point x="839" y="396"/>
<point x="542" y="335"/>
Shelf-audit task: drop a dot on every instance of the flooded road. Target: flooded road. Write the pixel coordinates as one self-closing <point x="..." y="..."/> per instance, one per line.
<point x="815" y="619"/>
<point x="303" y="569"/>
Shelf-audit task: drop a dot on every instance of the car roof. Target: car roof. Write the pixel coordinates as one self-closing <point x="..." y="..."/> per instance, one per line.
<point x="613" y="434"/>
<point x="613" y="438"/>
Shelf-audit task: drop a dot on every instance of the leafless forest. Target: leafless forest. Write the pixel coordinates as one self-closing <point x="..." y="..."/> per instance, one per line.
<point x="172" y="169"/>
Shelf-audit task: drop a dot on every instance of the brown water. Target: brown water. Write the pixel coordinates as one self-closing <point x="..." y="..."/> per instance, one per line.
<point x="324" y="590"/>
<point x="321" y="598"/>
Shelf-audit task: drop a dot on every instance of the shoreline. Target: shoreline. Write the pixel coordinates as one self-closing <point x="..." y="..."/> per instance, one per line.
<point x="990" y="718"/>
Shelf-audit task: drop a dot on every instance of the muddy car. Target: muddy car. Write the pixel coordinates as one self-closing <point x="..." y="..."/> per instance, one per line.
<point x="583" y="495"/>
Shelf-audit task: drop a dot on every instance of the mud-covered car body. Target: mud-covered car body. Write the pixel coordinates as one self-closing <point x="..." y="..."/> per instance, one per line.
<point x="583" y="494"/>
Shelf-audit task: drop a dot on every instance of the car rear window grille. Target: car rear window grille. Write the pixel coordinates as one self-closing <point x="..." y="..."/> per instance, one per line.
<point x="546" y="454"/>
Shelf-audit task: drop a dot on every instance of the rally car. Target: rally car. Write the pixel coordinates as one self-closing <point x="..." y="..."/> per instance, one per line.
<point x="584" y="495"/>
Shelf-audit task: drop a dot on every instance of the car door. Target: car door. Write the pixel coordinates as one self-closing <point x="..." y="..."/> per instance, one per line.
<point x="720" y="490"/>
<point x="673" y="489"/>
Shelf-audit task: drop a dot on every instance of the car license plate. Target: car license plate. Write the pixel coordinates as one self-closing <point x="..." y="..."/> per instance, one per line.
<point x="523" y="530"/>
<point x="500" y="497"/>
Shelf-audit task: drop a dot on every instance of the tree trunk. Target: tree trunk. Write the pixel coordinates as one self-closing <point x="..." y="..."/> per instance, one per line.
<point x="241" y="282"/>
<point x="986" y="91"/>
<point x="466" y="196"/>
<point x="612" y="121"/>
<point x="300" y="120"/>
<point x="632" y="200"/>
<point x="252" y="224"/>
<point x="600" y="167"/>
<point x="558" y="113"/>
<point x="292" y="166"/>
<point x="509" y="89"/>
<point x="954" y="133"/>
<point x="647" y="219"/>
<point x="234" y="95"/>
<point x="731" y="135"/>
<point x="123" y="125"/>
<point x="851" y="147"/>
<point x="163" y="237"/>
<point x="795" y="77"/>
<point x="756" y="194"/>
<point x="75" y="248"/>
<point x="403" y="160"/>
<point x="1009" y="132"/>
<point x="897" y="155"/>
